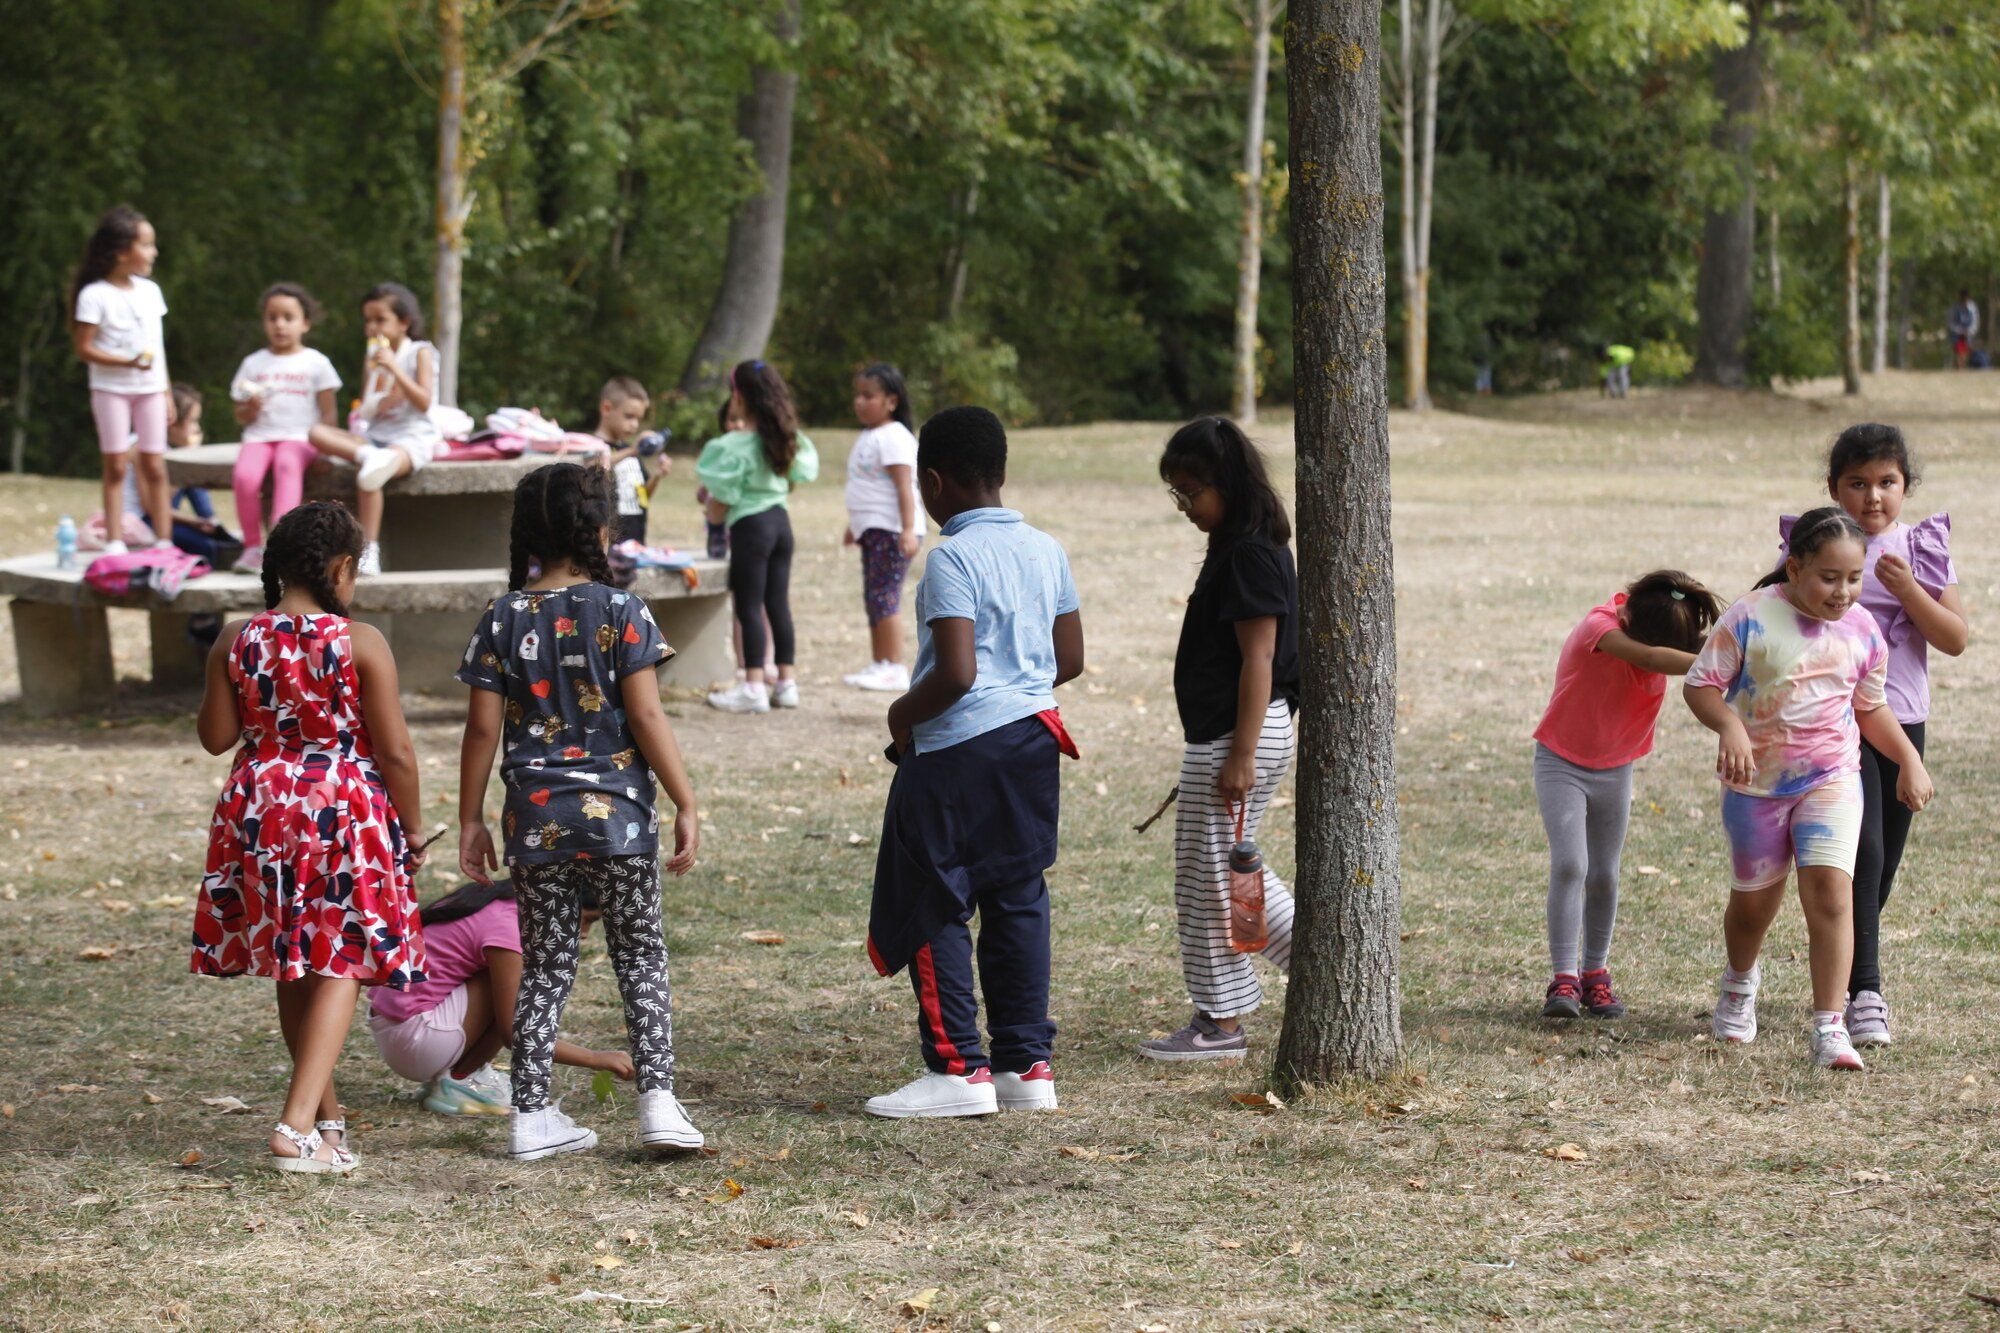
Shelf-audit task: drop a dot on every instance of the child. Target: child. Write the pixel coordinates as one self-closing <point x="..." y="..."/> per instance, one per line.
<point x="397" y="435"/>
<point x="883" y="518"/>
<point x="971" y="818"/>
<point x="1611" y="680"/>
<point x="726" y="420"/>
<point x="621" y="409"/>
<point x="1910" y="586"/>
<point x="313" y="843"/>
<point x="1236" y="683"/>
<point x="749" y="475"/>
<point x="1791" y="681"/>
<point x="118" y="312"/>
<point x="282" y="393"/>
<point x="444" y="1031"/>
<point x="564" y="667"/>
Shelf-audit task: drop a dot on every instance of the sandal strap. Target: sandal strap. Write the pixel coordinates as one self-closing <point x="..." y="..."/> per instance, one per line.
<point x="307" y="1144"/>
<point x="337" y="1126"/>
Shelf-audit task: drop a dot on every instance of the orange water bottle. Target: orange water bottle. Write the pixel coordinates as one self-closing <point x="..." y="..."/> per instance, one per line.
<point x="1247" y="933"/>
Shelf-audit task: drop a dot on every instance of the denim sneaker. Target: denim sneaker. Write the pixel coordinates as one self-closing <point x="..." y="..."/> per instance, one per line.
<point x="1203" y="1039"/>
<point x="1868" y="1019"/>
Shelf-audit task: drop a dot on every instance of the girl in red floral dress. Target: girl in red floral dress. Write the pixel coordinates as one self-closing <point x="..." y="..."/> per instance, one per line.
<point x="309" y="864"/>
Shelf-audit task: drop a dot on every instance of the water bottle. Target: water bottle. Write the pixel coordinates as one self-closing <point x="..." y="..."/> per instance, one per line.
<point x="1247" y="932"/>
<point x="66" y="543"/>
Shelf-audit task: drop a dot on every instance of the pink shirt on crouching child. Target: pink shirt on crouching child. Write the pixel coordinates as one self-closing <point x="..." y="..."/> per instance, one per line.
<point x="456" y="952"/>
<point x="1603" y="710"/>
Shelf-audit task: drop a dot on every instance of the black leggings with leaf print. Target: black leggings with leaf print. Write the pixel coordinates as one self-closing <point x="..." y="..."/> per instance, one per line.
<point x="550" y="894"/>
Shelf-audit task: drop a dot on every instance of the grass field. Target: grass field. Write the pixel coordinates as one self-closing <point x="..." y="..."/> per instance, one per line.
<point x="1715" y="1188"/>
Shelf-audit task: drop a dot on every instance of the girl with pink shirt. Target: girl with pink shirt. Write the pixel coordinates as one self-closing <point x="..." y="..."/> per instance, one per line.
<point x="1611" y="679"/>
<point x="1791" y="682"/>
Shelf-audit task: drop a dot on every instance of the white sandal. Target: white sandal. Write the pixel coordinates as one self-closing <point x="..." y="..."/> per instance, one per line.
<point x="308" y="1162"/>
<point x="341" y="1151"/>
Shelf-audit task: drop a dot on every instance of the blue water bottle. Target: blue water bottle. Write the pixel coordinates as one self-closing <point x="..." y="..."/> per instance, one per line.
<point x="66" y="543"/>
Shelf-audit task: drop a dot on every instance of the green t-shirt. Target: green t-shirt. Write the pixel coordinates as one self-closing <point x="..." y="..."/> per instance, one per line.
<point x="734" y="469"/>
<point x="1618" y="354"/>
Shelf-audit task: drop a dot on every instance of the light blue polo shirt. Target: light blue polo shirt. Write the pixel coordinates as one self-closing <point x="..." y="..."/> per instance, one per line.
<point x="1011" y="581"/>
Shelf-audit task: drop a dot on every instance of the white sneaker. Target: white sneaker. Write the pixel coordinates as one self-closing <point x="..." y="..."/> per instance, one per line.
<point x="664" y="1126"/>
<point x="785" y="694"/>
<point x="1736" y="1008"/>
<point x="1831" y="1048"/>
<point x="165" y="544"/>
<point x="1032" y="1091"/>
<point x="938" y="1095"/>
<point x="742" y="697"/>
<point x="251" y="561"/>
<point x="855" y="678"/>
<point x="115" y="548"/>
<point x="370" y="563"/>
<point x="377" y="466"/>
<point x="545" y="1133"/>
<point x="883" y="677"/>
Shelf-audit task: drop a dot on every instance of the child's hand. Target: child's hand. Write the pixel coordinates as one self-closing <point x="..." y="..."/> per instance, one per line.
<point x="912" y="540"/>
<point x="687" y="839"/>
<point x="1238" y="776"/>
<point x="420" y="852"/>
<point x="1913" y="784"/>
<point x="1896" y="575"/>
<point x="617" y="1064"/>
<point x="1734" y="761"/>
<point x="475" y="853"/>
<point x="847" y="537"/>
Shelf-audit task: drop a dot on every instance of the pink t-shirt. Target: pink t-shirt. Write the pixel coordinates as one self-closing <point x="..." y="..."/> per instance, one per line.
<point x="1796" y="681"/>
<point x="1603" y="709"/>
<point x="455" y="952"/>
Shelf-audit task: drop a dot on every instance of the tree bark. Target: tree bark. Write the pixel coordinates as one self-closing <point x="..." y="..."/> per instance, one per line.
<point x="1850" y="280"/>
<point x="1882" y="292"/>
<point x="35" y="335"/>
<point x="1418" y="355"/>
<point x="1250" y="245"/>
<point x="1729" y="236"/>
<point x="753" y="267"/>
<point x="1341" y="1012"/>
<point x="1777" y="260"/>
<point x="1406" y="150"/>
<point x="453" y="204"/>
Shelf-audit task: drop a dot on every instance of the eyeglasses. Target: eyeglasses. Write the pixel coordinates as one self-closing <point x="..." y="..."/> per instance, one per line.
<point x="1184" y="500"/>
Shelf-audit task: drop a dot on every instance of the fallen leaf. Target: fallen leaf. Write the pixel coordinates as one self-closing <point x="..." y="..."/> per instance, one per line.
<point x="1153" y="1328"/>
<point x="78" y="1087"/>
<point x="773" y="1243"/>
<point x="763" y="937"/>
<point x="203" y="1183"/>
<point x="6" y="1110"/>
<point x="168" y="900"/>
<point x="117" y="905"/>
<point x="857" y="1218"/>
<point x="1229" y="1245"/>
<point x="191" y="1159"/>
<point x="1416" y="1182"/>
<point x="151" y="1098"/>
<point x="1263" y="1103"/>
<point x="683" y="1191"/>
<point x="1582" y="1256"/>
<point x="227" y="1105"/>
<point x="1649" y="870"/>
<point x="629" y="1236"/>
<point x="606" y="1261"/>
<point x="919" y="1303"/>
<point x="730" y="1191"/>
<point x="1081" y="1154"/>
<point x="817" y="1108"/>
<point x="1870" y="1177"/>
<point x="97" y="953"/>
<point x="1566" y="1152"/>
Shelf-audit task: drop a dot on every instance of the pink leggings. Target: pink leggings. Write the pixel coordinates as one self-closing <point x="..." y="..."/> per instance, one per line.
<point x="121" y="415"/>
<point x="286" y="461"/>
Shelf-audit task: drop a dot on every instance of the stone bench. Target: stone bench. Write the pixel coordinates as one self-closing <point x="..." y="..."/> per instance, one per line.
<point x="63" y="640"/>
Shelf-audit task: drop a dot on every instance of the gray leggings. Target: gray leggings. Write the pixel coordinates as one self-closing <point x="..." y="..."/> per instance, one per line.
<point x="1584" y="811"/>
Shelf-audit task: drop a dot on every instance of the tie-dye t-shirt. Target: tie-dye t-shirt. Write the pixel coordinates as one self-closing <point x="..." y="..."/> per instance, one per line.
<point x="576" y="783"/>
<point x="1796" y="682"/>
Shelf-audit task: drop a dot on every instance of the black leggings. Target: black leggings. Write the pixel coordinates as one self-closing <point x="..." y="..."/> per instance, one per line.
<point x="1885" y="827"/>
<point x="760" y="578"/>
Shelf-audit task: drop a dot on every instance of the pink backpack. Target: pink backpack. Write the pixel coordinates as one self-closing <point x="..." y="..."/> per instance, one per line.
<point x="161" y="572"/>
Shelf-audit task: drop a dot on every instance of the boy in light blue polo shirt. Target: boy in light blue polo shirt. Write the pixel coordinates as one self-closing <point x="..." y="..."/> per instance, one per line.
<point x="972" y="815"/>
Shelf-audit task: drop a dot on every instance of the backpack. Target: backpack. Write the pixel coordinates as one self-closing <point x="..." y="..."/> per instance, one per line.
<point x="161" y="572"/>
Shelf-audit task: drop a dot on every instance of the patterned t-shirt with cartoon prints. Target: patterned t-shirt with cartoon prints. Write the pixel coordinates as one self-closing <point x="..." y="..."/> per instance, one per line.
<point x="576" y="783"/>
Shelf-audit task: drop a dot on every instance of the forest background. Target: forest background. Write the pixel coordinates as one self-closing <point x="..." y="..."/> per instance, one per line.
<point x="1033" y="204"/>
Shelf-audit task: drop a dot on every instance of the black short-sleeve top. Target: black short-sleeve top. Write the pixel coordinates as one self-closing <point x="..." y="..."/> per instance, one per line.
<point x="1243" y="579"/>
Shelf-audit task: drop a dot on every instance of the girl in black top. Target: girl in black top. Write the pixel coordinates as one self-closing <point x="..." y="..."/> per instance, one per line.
<point x="1236" y="682"/>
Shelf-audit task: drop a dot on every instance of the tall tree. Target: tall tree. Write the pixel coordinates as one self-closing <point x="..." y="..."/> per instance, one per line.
<point x="753" y="268"/>
<point x="1882" y="295"/>
<point x="1250" y="244"/>
<point x="1416" y="86"/>
<point x="1341" y="1014"/>
<point x="1724" y="280"/>
<point x="1850" y="279"/>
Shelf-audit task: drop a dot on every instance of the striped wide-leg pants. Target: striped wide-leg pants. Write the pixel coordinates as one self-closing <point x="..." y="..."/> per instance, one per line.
<point x="1220" y="980"/>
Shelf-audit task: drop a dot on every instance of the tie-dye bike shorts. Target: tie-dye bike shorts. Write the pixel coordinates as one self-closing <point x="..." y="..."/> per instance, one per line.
<point x="1821" y="827"/>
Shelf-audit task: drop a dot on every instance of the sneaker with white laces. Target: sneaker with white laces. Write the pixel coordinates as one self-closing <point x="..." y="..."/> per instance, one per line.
<point x="664" y="1126"/>
<point x="1034" y="1090"/>
<point x="742" y="697"/>
<point x="785" y="694"/>
<point x="545" y="1133"/>
<point x="377" y="467"/>
<point x="936" y="1096"/>
<point x="370" y="563"/>
<point x="1735" y="1017"/>
<point x="1831" y="1048"/>
<point x="1868" y="1019"/>
<point x="1202" y="1039"/>
<point x="250" y="562"/>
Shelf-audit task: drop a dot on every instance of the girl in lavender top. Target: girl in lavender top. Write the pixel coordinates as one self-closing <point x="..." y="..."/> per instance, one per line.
<point x="1911" y="588"/>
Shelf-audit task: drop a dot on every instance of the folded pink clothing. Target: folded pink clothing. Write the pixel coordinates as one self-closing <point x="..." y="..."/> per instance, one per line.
<point x="485" y="450"/>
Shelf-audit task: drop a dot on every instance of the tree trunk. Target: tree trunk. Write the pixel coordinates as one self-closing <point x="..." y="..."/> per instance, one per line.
<point x="961" y="253"/>
<point x="35" y="335"/>
<point x="1414" y="352"/>
<point x="1341" y="1013"/>
<point x="1850" y="280"/>
<point x="1729" y="236"/>
<point x="1250" y="246"/>
<point x="1777" y="261"/>
<point x="453" y="205"/>
<point x="1882" y="292"/>
<point x="753" y="267"/>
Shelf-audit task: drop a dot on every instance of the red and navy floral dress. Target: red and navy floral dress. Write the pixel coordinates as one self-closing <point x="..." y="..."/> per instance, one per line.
<point x="307" y="871"/>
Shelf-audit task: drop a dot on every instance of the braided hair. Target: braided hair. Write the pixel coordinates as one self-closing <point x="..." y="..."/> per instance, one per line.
<point x="560" y="513"/>
<point x="1814" y="529"/>
<point x="300" y="547"/>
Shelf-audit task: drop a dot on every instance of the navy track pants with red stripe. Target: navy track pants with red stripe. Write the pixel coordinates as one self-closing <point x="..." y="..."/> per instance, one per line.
<point x="1013" y="950"/>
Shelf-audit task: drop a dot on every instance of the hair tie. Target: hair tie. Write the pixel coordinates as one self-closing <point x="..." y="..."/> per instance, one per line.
<point x="1677" y="594"/>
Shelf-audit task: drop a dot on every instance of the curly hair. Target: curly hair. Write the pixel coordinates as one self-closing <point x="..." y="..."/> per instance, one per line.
<point x="300" y="547"/>
<point x="560" y="513"/>
<point x="400" y="300"/>
<point x="307" y="305"/>
<point x="768" y="405"/>
<point x="116" y="232"/>
<point x="1869" y="442"/>
<point x="1669" y="609"/>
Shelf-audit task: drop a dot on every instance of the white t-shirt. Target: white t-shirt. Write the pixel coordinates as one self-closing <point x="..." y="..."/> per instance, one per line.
<point x="291" y="387"/>
<point x="128" y="322"/>
<point x="630" y="474"/>
<point x="871" y="491"/>
<point x="402" y="424"/>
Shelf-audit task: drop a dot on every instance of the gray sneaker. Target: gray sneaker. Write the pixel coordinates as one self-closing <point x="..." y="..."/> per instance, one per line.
<point x="1199" y="1040"/>
<point x="1868" y="1019"/>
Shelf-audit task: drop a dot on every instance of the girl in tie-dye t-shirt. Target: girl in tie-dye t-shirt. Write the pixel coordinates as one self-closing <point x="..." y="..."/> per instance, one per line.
<point x="1791" y="680"/>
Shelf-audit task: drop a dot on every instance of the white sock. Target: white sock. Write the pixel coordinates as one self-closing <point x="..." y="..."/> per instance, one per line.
<point x="1732" y="974"/>
<point x="1828" y="1018"/>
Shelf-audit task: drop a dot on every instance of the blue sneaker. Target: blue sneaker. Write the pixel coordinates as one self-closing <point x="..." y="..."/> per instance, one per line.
<point x="485" y="1091"/>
